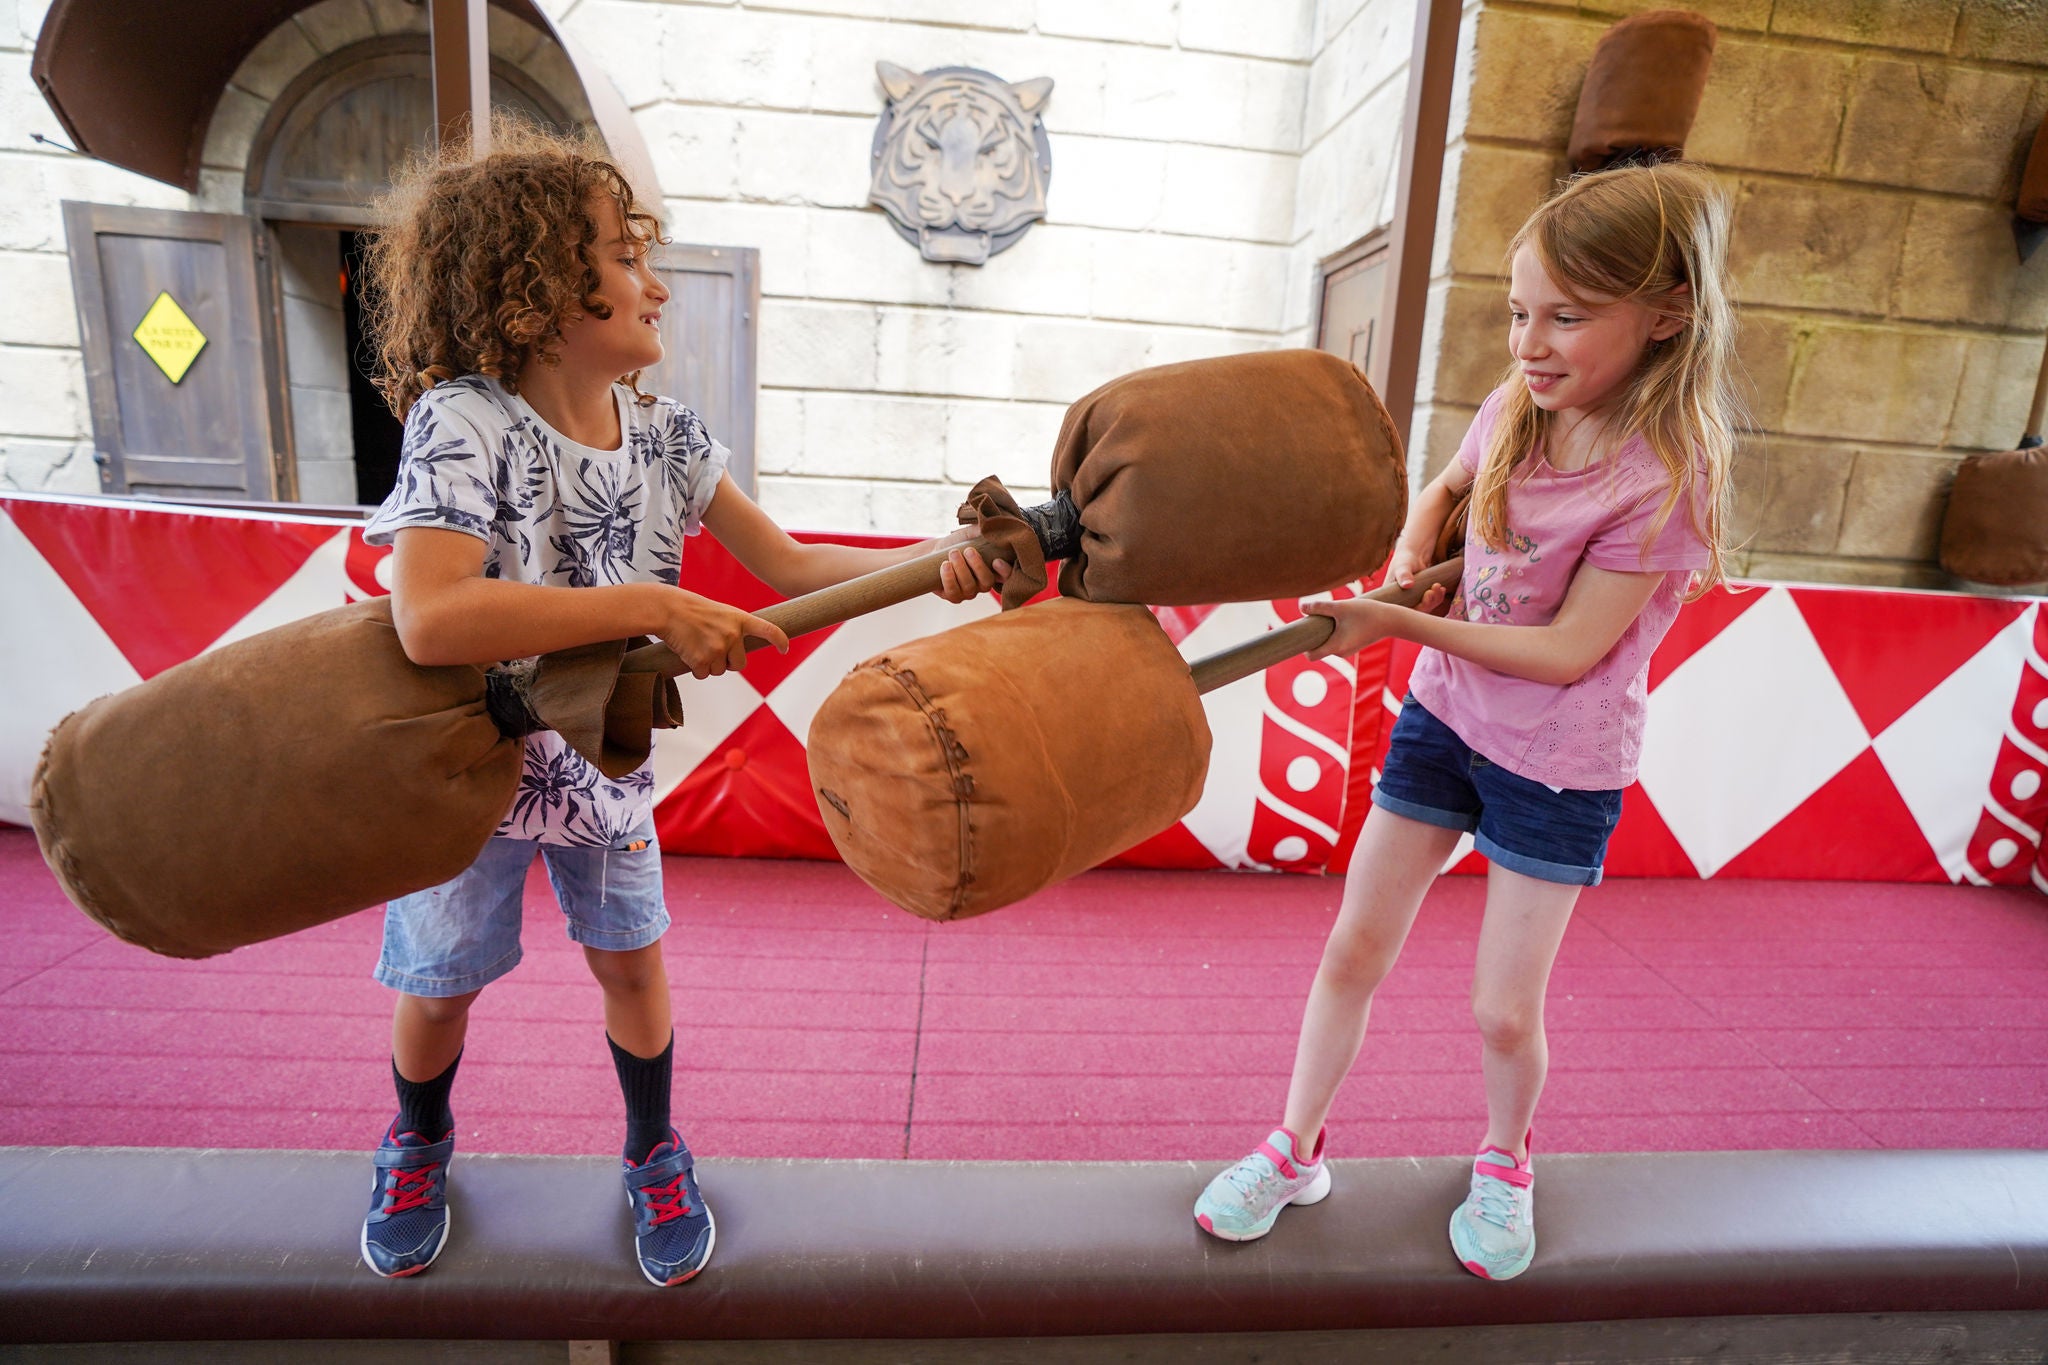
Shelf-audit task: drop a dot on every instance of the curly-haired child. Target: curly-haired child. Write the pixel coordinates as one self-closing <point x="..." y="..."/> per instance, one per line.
<point x="542" y="503"/>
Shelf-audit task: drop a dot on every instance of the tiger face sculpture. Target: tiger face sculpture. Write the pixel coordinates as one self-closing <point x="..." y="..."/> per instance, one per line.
<point x="961" y="161"/>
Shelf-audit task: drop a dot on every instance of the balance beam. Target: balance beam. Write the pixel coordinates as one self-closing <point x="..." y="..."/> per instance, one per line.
<point x="106" y="1245"/>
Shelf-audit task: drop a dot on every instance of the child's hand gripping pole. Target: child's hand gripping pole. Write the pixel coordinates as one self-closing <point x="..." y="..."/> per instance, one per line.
<point x="1310" y="632"/>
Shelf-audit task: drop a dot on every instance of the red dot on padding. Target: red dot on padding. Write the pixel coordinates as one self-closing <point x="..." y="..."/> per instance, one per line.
<point x="735" y="759"/>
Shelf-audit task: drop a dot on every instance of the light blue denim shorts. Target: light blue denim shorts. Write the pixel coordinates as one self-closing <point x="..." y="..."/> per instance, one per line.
<point x="464" y="934"/>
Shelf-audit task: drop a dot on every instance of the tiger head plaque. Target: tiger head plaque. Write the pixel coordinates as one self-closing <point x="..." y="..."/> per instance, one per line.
<point x="961" y="161"/>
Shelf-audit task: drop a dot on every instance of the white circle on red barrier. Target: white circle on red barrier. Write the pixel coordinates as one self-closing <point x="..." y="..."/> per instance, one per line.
<point x="1310" y="687"/>
<point x="2001" y="852"/>
<point x="2025" y="785"/>
<point x="1292" y="849"/>
<point x="381" y="570"/>
<point x="1303" y="774"/>
<point x="2041" y="715"/>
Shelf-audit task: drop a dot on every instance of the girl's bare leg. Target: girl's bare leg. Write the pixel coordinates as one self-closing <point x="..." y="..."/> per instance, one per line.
<point x="1395" y="861"/>
<point x="1518" y="942"/>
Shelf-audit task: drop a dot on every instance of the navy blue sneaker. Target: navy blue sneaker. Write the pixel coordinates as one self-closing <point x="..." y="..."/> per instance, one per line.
<point x="408" y="1221"/>
<point x="672" y="1230"/>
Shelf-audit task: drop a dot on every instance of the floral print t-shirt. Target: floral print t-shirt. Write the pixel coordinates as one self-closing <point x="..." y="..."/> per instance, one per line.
<point x="480" y="461"/>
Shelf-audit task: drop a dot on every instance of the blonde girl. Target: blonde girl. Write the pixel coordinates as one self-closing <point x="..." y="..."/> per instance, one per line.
<point x="1597" y="471"/>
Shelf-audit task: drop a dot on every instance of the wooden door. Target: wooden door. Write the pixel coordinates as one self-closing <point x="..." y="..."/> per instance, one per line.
<point x="709" y="329"/>
<point x="188" y="406"/>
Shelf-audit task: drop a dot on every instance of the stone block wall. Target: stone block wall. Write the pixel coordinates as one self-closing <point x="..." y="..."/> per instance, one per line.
<point x="1175" y="225"/>
<point x="1871" y="150"/>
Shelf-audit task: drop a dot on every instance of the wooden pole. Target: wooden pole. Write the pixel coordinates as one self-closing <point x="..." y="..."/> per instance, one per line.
<point x="1425" y="127"/>
<point x="830" y="606"/>
<point x="458" y="34"/>
<point x="1241" y="661"/>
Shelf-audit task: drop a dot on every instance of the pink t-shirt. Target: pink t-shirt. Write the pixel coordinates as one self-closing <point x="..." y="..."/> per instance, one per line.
<point x="1586" y="734"/>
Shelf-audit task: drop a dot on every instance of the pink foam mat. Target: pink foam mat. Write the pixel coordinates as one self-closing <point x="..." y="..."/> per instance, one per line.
<point x="1144" y="1015"/>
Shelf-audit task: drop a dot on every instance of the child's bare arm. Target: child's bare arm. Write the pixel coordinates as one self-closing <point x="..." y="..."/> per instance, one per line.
<point x="1425" y="520"/>
<point x="791" y="567"/>
<point x="447" y="612"/>
<point x="1597" y="609"/>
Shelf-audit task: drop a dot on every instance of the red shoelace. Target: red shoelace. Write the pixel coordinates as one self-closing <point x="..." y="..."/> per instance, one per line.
<point x="666" y="1202"/>
<point x="410" y="1188"/>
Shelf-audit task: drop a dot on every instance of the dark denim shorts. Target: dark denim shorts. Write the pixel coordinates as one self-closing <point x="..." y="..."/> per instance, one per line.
<point x="1433" y="776"/>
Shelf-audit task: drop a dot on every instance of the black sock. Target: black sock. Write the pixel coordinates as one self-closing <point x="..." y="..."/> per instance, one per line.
<point x="644" y="1081"/>
<point x="423" y="1105"/>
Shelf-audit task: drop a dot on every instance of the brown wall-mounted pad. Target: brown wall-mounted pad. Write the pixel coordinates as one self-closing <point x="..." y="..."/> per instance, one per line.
<point x="1238" y="479"/>
<point x="1642" y="87"/>
<point x="967" y="770"/>
<point x="2033" y="199"/>
<point x="271" y="785"/>
<point x="1996" y="526"/>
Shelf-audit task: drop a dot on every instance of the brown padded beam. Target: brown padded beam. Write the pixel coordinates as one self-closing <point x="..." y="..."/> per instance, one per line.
<point x="135" y="1245"/>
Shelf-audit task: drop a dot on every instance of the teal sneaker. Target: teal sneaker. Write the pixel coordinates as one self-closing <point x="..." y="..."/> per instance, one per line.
<point x="1494" y="1231"/>
<point x="1241" y="1203"/>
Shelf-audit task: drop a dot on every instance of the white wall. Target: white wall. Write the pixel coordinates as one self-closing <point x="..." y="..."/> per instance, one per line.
<point x="1206" y="153"/>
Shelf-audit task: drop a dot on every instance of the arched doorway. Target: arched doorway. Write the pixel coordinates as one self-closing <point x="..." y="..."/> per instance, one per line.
<point x="330" y="145"/>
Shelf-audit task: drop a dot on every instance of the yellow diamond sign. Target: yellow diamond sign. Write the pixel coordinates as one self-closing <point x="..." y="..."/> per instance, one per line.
<point x="170" y="338"/>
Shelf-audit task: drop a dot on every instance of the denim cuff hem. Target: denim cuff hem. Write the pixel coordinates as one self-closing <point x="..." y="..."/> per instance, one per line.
<point x="434" y="988"/>
<point x="1565" y="874"/>
<point x="1428" y="815"/>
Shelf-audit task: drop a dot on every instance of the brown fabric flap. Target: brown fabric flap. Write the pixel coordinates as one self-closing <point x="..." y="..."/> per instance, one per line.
<point x="993" y="511"/>
<point x="1996" y="527"/>
<point x="1642" y="87"/>
<point x="601" y="709"/>
<point x="1236" y="479"/>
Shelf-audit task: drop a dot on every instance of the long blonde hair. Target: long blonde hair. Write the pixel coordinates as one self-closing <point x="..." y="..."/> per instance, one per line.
<point x="1657" y="235"/>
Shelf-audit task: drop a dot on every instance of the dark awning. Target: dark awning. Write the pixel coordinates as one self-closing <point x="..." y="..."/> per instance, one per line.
<point x="135" y="82"/>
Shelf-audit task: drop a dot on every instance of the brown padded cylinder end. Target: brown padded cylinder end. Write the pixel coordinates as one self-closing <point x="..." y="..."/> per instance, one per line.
<point x="965" y="771"/>
<point x="1643" y="86"/>
<point x="1996" y="527"/>
<point x="2032" y="204"/>
<point x="1238" y="479"/>
<point x="277" y="783"/>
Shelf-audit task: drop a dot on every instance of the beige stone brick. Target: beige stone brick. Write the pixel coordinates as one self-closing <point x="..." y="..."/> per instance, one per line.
<point x="1438" y="431"/>
<point x="1930" y="125"/>
<point x="806" y="504"/>
<point x="40" y="309"/>
<point x="1057" y="362"/>
<point x="694" y="148"/>
<point x="1497" y="189"/>
<point x="1132" y="21"/>
<point x="947" y="352"/>
<point x="1816" y="245"/>
<point x="1107" y="182"/>
<point x="1765" y="346"/>
<point x="849" y="435"/>
<point x="817" y="345"/>
<point x="271" y="64"/>
<point x="1369" y="50"/>
<point x="42" y="393"/>
<point x="1895" y="504"/>
<point x="1752" y="15"/>
<point x="1865" y="573"/>
<point x="333" y="24"/>
<point x="1877" y="384"/>
<point x="1471" y="328"/>
<point x="48" y="466"/>
<point x="1997" y="385"/>
<point x="816" y="159"/>
<point x="1274" y="28"/>
<point x="1527" y="69"/>
<point x="981" y="14"/>
<point x="235" y="120"/>
<point x="1920" y="25"/>
<point x="1012" y="441"/>
<point x="2003" y="31"/>
<point x="1788" y="495"/>
<point x="1958" y="265"/>
<point x="398" y="16"/>
<point x="1771" y="107"/>
<point x="915" y="509"/>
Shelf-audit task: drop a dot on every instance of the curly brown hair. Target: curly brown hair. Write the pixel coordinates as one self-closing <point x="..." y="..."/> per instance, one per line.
<point x="478" y="264"/>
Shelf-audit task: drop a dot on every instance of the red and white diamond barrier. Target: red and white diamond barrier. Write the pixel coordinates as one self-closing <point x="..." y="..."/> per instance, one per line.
<point x="1794" y="731"/>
